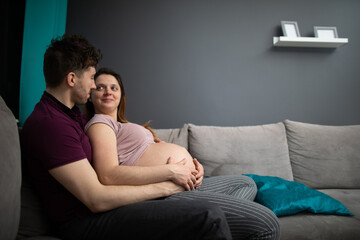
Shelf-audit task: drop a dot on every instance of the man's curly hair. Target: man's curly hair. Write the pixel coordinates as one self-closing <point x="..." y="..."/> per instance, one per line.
<point x="69" y="53"/>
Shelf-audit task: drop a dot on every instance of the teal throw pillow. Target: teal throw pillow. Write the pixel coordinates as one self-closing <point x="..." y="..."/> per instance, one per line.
<point x="287" y="198"/>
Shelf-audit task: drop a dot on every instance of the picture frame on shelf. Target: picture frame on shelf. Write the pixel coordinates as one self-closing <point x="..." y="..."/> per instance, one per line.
<point x="290" y="29"/>
<point x="325" y="32"/>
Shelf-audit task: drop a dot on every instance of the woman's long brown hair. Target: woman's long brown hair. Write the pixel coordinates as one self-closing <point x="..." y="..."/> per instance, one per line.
<point x="89" y="110"/>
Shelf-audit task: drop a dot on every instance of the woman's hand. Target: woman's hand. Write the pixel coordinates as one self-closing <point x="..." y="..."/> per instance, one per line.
<point x="182" y="174"/>
<point x="200" y="175"/>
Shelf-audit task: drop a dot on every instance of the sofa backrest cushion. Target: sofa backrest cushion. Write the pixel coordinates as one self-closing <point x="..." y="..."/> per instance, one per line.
<point x="324" y="156"/>
<point x="177" y="136"/>
<point x="261" y="150"/>
<point x="10" y="176"/>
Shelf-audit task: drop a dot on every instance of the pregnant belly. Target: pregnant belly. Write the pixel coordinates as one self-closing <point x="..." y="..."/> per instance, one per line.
<point x="158" y="154"/>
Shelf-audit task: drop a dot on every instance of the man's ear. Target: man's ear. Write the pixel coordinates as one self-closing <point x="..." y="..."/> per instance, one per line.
<point x="71" y="79"/>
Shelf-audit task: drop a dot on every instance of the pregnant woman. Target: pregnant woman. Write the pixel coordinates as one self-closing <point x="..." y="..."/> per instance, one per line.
<point x="125" y="153"/>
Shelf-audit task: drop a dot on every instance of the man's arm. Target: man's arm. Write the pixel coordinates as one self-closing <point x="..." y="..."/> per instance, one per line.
<point x="105" y="161"/>
<point x="81" y="180"/>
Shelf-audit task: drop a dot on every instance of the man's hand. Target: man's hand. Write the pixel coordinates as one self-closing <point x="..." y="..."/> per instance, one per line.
<point x="182" y="174"/>
<point x="170" y="187"/>
<point x="200" y="175"/>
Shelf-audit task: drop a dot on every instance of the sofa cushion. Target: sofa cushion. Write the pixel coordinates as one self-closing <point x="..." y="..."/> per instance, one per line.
<point x="324" y="156"/>
<point x="10" y="176"/>
<point x="258" y="149"/>
<point x="177" y="136"/>
<point x="288" y="197"/>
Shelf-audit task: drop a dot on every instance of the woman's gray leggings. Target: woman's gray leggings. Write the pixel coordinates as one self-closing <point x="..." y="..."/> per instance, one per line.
<point x="235" y="195"/>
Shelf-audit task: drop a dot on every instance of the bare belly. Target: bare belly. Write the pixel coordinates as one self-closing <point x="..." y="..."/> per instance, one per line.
<point x="159" y="153"/>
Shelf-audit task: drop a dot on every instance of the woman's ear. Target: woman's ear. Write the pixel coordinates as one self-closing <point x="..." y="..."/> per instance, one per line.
<point x="71" y="79"/>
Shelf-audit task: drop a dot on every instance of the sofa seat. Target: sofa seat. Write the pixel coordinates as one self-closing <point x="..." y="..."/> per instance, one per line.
<point x="306" y="226"/>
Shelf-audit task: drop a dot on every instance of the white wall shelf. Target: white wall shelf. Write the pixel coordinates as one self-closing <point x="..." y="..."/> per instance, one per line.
<point x="308" y="42"/>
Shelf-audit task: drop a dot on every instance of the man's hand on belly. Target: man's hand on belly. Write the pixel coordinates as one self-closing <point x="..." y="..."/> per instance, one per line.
<point x="182" y="174"/>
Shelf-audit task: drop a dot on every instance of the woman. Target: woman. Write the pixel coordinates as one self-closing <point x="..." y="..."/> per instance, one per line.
<point x="130" y="154"/>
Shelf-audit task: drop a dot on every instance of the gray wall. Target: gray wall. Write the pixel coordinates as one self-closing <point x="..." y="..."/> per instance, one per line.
<point x="212" y="62"/>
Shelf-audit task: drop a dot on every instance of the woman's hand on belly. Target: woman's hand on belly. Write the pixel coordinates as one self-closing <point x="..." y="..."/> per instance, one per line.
<point x="182" y="174"/>
<point x="200" y="175"/>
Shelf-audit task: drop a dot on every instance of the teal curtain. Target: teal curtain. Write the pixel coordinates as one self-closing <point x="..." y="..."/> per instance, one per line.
<point x="44" y="20"/>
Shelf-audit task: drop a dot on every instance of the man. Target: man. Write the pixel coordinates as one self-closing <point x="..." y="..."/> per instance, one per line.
<point x="58" y="155"/>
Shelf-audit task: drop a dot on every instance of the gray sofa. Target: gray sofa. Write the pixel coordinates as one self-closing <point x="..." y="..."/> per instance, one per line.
<point x="326" y="158"/>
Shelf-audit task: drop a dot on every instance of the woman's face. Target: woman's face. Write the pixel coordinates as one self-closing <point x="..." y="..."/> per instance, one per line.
<point x="106" y="97"/>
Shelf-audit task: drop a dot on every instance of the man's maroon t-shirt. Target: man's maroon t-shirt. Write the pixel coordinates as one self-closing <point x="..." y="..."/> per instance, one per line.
<point x="52" y="136"/>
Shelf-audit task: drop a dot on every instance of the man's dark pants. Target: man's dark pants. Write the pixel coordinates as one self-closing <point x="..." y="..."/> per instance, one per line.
<point x="156" y="219"/>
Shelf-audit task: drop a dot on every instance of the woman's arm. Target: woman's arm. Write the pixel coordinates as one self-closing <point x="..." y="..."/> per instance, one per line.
<point x="105" y="162"/>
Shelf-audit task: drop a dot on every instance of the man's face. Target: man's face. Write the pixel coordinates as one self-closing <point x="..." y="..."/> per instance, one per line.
<point x="83" y="86"/>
